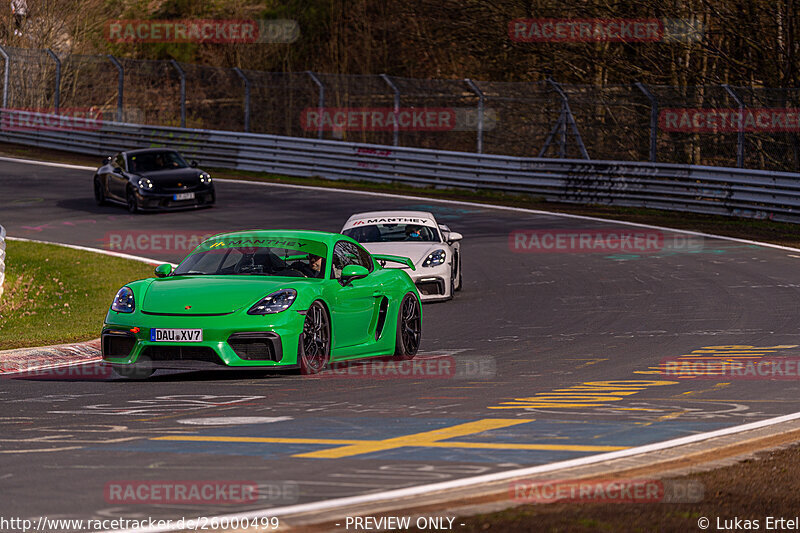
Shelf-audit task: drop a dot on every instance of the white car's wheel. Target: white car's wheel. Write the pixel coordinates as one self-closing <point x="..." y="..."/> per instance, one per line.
<point x="460" y="282"/>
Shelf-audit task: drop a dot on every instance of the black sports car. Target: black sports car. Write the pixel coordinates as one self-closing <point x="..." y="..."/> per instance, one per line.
<point x="150" y="179"/>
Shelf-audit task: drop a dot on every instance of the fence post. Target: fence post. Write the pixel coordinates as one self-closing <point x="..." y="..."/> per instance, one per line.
<point x="740" y="135"/>
<point x="320" y="100"/>
<point x="57" y="96"/>
<point x="120" y="85"/>
<point x="182" y="74"/>
<point x="481" y="99"/>
<point x="396" y="91"/>
<point x="2" y="258"/>
<point x="246" y="81"/>
<point x="653" y="120"/>
<point x="5" y="76"/>
<point x="567" y="117"/>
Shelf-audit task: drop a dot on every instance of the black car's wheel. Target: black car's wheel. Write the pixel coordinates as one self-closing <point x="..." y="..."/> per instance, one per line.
<point x="99" y="193"/>
<point x="314" y="348"/>
<point x="131" y="202"/>
<point x="409" y="328"/>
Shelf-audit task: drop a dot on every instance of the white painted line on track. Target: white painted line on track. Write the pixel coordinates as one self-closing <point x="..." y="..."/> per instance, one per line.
<point x="95" y="250"/>
<point x="488" y="478"/>
<point x="45" y="163"/>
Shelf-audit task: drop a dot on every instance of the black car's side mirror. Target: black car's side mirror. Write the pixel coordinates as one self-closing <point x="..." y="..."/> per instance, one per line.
<point x="117" y="170"/>
<point x="107" y="160"/>
<point x="194" y="164"/>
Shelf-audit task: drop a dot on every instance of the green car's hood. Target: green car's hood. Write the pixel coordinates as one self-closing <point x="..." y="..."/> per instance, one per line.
<point x="210" y="294"/>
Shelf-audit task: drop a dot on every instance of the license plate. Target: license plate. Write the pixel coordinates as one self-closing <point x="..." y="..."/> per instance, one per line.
<point x="176" y="335"/>
<point x="183" y="196"/>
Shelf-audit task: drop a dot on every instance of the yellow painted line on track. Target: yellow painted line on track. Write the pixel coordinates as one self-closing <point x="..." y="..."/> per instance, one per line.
<point x="417" y="439"/>
<point x="448" y="444"/>
<point x="718" y="386"/>
<point x="427" y="439"/>
<point x="512" y="446"/>
<point x="265" y="440"/>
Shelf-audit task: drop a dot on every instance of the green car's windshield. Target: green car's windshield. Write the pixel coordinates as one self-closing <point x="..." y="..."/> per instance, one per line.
<point x="255" y="256"/>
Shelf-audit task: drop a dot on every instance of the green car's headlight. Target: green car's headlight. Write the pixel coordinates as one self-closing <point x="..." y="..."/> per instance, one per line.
<point x="123" y="301"/>
<point x="436" y="258"/>
<point x="274" y="303"/>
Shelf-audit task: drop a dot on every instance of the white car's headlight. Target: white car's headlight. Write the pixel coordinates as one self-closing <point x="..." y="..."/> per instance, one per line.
<point x="435" y="258"/>
<point x="145" y="184"/>
<point x="123" y="301"/>
<point x="274" y="303"/>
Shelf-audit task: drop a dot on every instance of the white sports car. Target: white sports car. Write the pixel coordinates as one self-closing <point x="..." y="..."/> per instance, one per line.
<point x="434" y="249"/>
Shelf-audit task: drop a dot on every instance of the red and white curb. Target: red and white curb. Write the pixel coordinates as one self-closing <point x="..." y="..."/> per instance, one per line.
<point x="25" y="360"/>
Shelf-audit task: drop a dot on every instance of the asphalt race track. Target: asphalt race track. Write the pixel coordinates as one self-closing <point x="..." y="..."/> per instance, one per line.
<point x="531" y="336"/>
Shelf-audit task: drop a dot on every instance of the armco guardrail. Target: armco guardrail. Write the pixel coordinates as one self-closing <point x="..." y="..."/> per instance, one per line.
<point x="698" y="189"/>
<point x="2" y="258"/>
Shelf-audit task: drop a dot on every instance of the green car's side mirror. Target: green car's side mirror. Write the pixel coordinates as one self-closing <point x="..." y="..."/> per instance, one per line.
<point x="351" y="272"/>
<point x="162" y="271"/>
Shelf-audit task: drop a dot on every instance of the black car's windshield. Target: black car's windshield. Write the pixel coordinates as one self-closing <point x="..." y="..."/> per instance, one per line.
<point x="237" y="256"/>
<point x="392" y="233"/>
<point x="152" y="161"/>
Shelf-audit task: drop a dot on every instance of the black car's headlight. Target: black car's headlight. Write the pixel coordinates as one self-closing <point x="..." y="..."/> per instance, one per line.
<point x="145" y="184"/>
<point x="205" y="178"/>
<point x="123" y="301"/>
<point x="274" y="303"/>
<point x="435" y="258"/>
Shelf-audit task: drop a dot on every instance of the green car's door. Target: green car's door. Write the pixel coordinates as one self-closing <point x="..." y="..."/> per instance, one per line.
<point x="356" y="302"/>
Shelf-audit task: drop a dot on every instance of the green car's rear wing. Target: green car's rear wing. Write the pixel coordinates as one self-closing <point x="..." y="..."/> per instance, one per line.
<point x="395" y="259"/>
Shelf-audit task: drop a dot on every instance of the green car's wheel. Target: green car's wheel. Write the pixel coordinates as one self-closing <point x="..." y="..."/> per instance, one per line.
<point x="314" y="348"/>
<point x="130" y="201"/>
<point x="409" y="328"/>
<point x="99" y="193"/>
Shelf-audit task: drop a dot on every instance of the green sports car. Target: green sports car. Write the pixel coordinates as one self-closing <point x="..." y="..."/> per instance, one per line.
<point x="265" y="299"/>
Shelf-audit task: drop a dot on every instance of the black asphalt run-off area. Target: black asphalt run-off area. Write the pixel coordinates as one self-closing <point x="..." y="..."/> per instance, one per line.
<point x="538" y="330"/>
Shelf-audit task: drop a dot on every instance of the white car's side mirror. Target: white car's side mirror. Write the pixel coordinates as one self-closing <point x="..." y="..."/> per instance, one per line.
<point x="453" y="236"/>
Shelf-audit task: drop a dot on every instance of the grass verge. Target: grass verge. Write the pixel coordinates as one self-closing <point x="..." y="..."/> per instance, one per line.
<point x="57" y="295"/>
<point x="743" y="228"/>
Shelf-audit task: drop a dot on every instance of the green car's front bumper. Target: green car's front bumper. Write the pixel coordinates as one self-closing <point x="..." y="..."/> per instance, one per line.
<point x="234" y="340"/>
